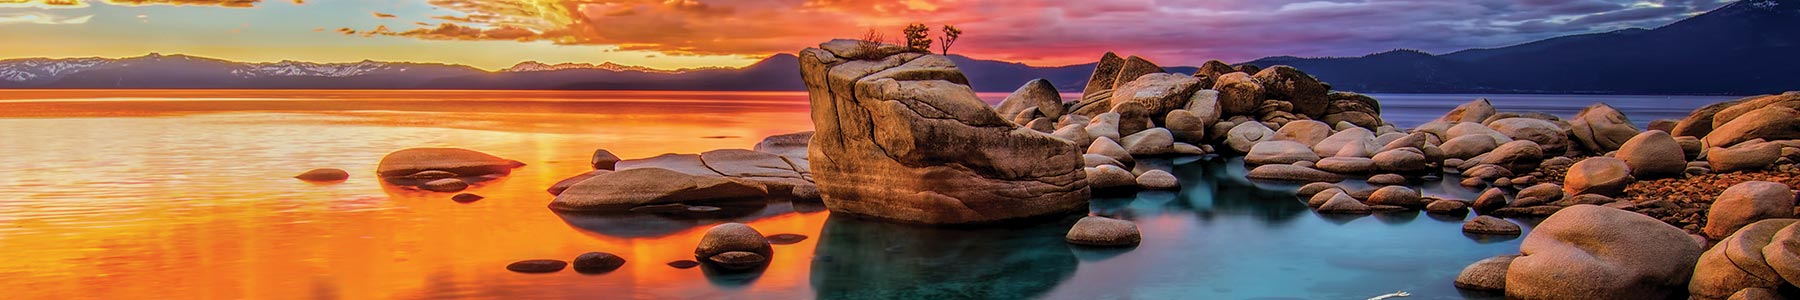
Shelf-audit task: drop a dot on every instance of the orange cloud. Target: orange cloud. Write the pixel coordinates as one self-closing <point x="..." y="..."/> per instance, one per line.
<point x="678" y="27"/>
<point x="84" y="3"/>
<point x="383" y="16"/>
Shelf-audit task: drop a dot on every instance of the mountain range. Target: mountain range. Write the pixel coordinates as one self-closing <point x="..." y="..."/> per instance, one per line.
<point x="1747" y="47"/>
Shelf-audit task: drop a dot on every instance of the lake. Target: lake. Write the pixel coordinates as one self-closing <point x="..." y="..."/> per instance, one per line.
<point x="188" y="195"/>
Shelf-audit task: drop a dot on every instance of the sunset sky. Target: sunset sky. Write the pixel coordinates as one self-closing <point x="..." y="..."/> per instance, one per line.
<point x="493" y="34"/>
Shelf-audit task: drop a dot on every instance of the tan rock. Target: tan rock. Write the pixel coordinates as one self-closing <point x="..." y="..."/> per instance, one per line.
<point x="1747" y="203"/>
<point x="1598" y="175"/>
<point x="1591" y="252"/>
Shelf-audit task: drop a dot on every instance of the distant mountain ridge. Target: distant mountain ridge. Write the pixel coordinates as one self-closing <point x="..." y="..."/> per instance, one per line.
<point x="1747" y="47"/>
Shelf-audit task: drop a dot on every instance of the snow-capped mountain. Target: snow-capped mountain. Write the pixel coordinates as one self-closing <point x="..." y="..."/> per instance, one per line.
<point x="532" y="66"/>
<point x="297" y="68"/>
<point x="30" y="70"/>
<point x="21" y="70"/>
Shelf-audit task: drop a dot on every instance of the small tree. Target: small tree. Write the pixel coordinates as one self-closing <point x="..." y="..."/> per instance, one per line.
<point x="870" y="42"/>
<point x="950" y="35"/>
<point x="918" y="38"/>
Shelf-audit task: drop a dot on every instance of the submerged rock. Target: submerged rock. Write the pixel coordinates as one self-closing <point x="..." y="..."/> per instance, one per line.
<point x="1293" y="173"/>
<point x="446" y="185"/>
<point x="537" y="266"/>
<point x="324" y="175"/>
<point x="622" y="190"/>
<point x="1103" y="231"/>
<point x="598" y="262"/>
<point x="462" y="162"/>
<point x="903" y="137"/>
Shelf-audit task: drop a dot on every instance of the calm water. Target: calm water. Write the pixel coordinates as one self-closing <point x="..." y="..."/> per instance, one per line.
<point x="186" y="194"/>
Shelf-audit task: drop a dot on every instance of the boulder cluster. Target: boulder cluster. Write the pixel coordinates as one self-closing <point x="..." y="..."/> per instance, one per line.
<point x="687" y="183"/>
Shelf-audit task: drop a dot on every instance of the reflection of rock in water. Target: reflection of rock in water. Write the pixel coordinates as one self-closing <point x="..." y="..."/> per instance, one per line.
<point x="1232" y="193"/>
<point x="863" y="259"/>
<point x="630" y="225"/>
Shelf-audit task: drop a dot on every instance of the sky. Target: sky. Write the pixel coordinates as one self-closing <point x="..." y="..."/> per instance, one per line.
<point x="671" y="34"/>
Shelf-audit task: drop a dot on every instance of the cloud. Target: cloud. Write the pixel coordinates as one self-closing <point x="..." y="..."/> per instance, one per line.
<point x="42" y="19"/>
<point x="1051" y="31"/>
<point x="84" y="3"/>
<point x="383" y="16"/>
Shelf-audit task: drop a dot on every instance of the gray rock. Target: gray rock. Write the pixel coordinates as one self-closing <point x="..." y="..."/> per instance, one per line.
<point x="1469" y="146"/>
<point x="1037" y="94"/>
<point x="1743" y="157"/>
<point x="1353" y="142"/>
<point x="1103" y="231"/>
<point x="1546" y="134"/>
<point x="1109" y="176"/>
<point x="790" y="145"/>
<point x="1106" y="147"/>
<point x="1158" y="180"/>
<point x="1244" y="136"/>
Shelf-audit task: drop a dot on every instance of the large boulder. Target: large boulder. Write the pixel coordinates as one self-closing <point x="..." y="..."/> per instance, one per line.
<point x="1279" y="152"/>
<point x="1037" y="94"/>
<point x="622" y="190"/>
<point x="1769" y="123"/>
<point x="462" y="162"/>
<point x="1653" y="155"/>
<point x="1187" y="127"/>
<point x="1205" y="104"/>
<point x="1362" y="140"/>
<point x="1159" y="93"/>
<point x="1600" y="128"/>
<point x="1308" y="95"/>
<point x="734" y="246"/>
<point x="1238" y="93"/>
<point x="1747" y="203"/>
<point x="1592" y="252"/>
<point x="903" y="137"/>
<point x="1246" y="135"/>
<point x="790" y="145"/>
<point x="1522" y="156"/>
<point x="1737" y="262"/>
<point x="1546" y="134"/>
<point x="1099" y="90"/>
<point x="1743" y="157"/>
<point x="1699" y="123"/>
<point x="1155" y="141"/>
<point x="1598" y="175"/>
<point x="1469" y="146"/>
<point x="1356" y="109"/>
<point x="1783" y="253"/>
<point x="1306" y="132"/>
<point x="1789" y="100"/>
<point x="1473" y="111"/>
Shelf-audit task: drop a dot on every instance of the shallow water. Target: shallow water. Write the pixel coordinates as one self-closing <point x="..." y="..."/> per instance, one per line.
<point x="186" y="194"/>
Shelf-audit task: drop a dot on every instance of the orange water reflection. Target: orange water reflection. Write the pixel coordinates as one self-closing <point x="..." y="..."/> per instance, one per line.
<point x="187" y="195"/>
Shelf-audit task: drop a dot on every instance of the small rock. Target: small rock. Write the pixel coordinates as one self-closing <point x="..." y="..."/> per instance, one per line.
<point x="1103" y="231"/>
<point x="1293" y="173"/>
<point x="1490" y="200"/>
<point x="1446" y="207"/>
<point x="1387" y="179"/>
<point x="446" y="185"/>
<point x="1342" y="204"/>
<point x="739" y="260"/>
<point x="1598" y="175"/>
<point x="537" y="266"/>
<point x="1396" y="196"/>
<point x="466" y="197"/>
<point x="1314" y="188"/>
<point x="324" y="175"/>
<point x="1487" y="275"/>
<point x="684" y="264"/>
<point x="598" y="262"/>
<point x="604" y="160"/>
<point x="1109" y="176"/>
<point x="1491" y="225"/>
<point x="785" y="239"/>
<point x="1473" y="182"/>
<point x="1158" y="180"/>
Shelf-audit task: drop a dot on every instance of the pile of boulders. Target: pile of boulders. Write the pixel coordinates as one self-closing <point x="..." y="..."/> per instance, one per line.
<point x="444" y="170"/>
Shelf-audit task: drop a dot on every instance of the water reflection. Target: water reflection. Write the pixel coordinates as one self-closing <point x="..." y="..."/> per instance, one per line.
<point x="634" y="224"/>
<point x="864" y="259"/>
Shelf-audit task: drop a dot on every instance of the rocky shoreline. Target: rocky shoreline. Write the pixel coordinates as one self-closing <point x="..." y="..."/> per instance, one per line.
<point x="1626" y="212"/>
